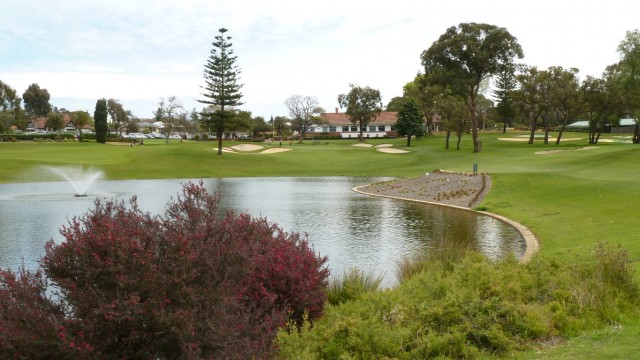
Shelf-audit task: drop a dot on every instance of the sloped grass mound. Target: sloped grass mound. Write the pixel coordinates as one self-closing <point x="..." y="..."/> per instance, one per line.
<point x="473" y="308"/>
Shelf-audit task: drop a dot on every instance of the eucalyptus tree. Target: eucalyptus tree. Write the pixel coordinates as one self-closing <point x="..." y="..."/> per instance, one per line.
<point x="629" y="76"/>
<point x="305" y="113"/>
<point x="80" y="119"/>
<point x="464" y="57"/>
<point x="603" y="104"/>
<point x="455" y="117"/>
<point x="221" y="90"/>
<point x="427" y="95"/>
<point x="169" y="113"/>
<point x="565" y="95"/>
<point x="119" y="116"/>
<point x="55" y="121"/>
<point x="36" y="101"/>
<point x="281" y="125"/>
<point x="532" y="95"/>
<point x="363" y="105"/>
<point x="10" y="111"/>
<point x="410" y="120"/>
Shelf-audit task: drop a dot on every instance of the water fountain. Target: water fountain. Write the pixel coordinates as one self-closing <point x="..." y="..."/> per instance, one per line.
<point x="79" y="178"/>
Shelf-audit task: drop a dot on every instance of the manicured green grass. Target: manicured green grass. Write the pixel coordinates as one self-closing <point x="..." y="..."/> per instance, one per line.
<point x="570" y="200"/>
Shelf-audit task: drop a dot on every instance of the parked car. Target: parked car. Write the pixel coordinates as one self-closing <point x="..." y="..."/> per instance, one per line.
<point x="175" y="136"/>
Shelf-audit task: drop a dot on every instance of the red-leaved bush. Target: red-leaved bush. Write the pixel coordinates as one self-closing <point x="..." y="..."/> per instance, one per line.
<point x="191" y="283"/>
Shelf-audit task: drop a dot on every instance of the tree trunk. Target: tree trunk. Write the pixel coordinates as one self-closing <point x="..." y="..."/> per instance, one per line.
<point x="458" y="143"/>
<point x="477" y="145"/>
<point x="636" y="133"/>
<point x="504" y="128"/>
<point x="534" y="123"/>
<point x="219" y="137"/>
<point x="446" y="141"/>
<point x="408" y="140"/>
<point x="564" y="124"/>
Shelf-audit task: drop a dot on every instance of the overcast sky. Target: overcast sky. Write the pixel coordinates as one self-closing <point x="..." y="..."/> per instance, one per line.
<point x="138" y="51"/>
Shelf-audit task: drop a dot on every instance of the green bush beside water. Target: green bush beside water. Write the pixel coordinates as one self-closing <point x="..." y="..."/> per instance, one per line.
<point x="473" y="308"/>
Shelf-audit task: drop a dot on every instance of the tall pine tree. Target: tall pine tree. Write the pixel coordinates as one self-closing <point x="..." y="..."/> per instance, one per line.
<point x="222" y="92"/>
<point x="100" y="118"/>
<point x="505" y="84"/>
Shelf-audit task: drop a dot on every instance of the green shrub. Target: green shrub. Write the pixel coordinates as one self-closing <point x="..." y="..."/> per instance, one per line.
<point x="473" y="307"/>
<point x="351" y="285"/>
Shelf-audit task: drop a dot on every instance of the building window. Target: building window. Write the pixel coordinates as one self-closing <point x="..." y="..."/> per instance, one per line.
<point x="372" y="128"/>
<point x="345" y="129"/>
<point x="332" y="129"/>
<point x="354" y="128"/>
<point x="380" y="127"/>
<point x="324" y="129"/>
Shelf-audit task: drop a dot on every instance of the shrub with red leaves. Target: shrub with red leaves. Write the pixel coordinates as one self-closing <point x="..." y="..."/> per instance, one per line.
<point x="188" y="284"/>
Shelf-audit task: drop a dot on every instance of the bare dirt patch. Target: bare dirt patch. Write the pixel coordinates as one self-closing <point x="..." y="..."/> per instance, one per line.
<point x="456" y="189"/>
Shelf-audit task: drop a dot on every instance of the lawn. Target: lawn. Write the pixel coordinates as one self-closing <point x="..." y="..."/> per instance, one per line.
<point x="570" y="199"/>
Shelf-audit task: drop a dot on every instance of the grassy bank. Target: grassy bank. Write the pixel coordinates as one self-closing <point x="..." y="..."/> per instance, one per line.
<point x="570" y="199"/>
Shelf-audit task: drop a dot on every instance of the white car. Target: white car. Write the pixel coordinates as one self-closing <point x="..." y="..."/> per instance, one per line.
<point x="175" y="136"/>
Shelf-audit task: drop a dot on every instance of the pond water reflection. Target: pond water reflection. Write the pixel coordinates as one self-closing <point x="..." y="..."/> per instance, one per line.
<point x="352" y="229"/>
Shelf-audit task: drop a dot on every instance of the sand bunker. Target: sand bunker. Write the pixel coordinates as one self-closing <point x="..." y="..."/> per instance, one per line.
<point x="392" y="151"/>
<point x="363" y="145"/>
<point x="536" y="139"/>
<point x="547" y="152"/>
<point x="384" y="146"/>
<point x="275" y="150"/>
<point x="247" y="147"/>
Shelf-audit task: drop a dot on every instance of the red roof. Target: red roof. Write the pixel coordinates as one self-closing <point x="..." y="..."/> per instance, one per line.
<point x="337" y="118"/>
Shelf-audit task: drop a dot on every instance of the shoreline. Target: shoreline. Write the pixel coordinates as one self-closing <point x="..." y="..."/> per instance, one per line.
<point x="453" y="189"/>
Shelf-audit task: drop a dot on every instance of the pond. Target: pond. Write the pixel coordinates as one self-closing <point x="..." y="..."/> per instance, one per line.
<point x="352" y="229"/>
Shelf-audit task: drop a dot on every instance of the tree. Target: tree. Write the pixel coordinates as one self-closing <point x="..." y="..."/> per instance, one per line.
<point x="629" y="77"/>
<point x="410" y="120"/>
<point x="36" y="101"/>
<point x="80" y="119"/>
<point x="222" y="92"/>
<point x="100" y="116"/>
<point x="396" y="103"/>
<point x="362" y="104"/>
<point x="305" y="113"/>
<point x="565" y="95"/>
<point x="454" y="114"/>
<point x="119" y="116"/>
<point x="427" y="95"/>
<point x="531" y="95"/>
<point x="259" y="126"/>
<point x="505" y="84"/>
<point x="281" y="125"/>
<point x="195" y="282"/>
<point x="602" y="100"/>
<point x="10" y="111"/>
<point x="169" y="112"/>
<point x="464" y="57"/>
<point x="55" y="121"/>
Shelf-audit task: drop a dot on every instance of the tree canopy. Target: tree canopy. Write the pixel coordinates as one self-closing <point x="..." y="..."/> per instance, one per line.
<point x="305" y="113"/>
<point x="467" y="55"/>
<point x="362" y="105"/>
<point x="410" y="120"/>
<point x="221" y="91"/>
<point x="36" y="101"/>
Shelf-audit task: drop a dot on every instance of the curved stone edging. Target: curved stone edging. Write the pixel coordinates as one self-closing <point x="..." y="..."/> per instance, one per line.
<point x="530" y="240"/>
